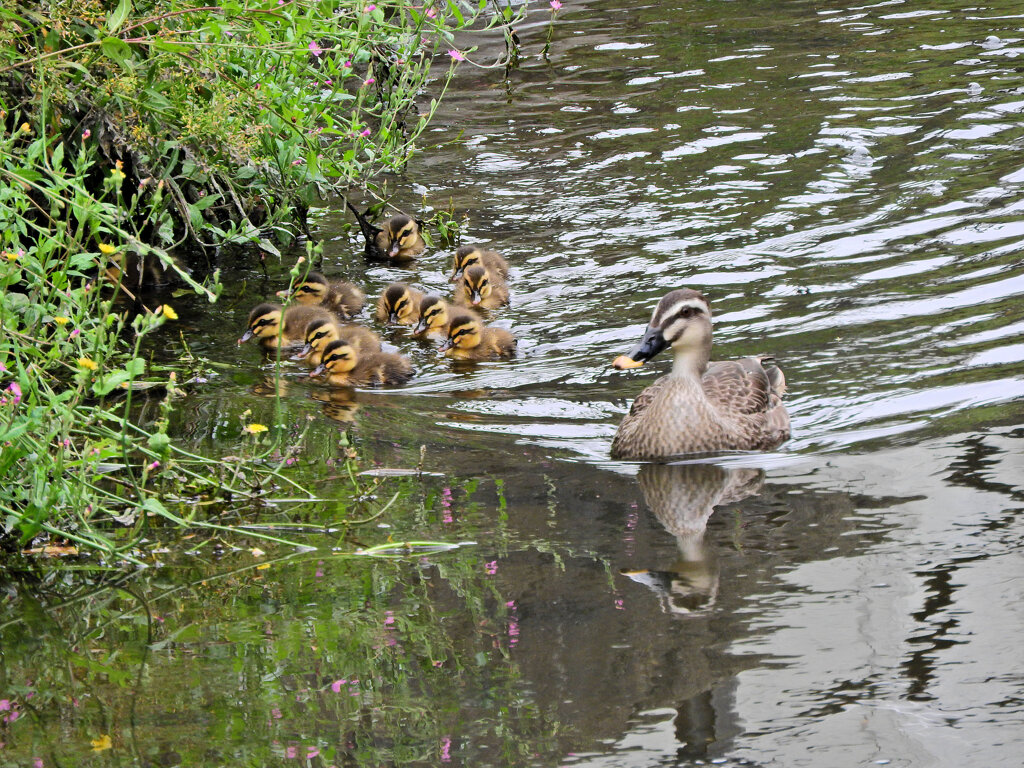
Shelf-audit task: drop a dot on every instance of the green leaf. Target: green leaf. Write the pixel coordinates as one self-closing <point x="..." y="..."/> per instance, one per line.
<point x="116" y="49"/>
<point x="116" y="19"/>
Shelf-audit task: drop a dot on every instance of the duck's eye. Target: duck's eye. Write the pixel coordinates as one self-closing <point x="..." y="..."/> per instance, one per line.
<point x="688" y="312"/>
<point x="404" y="234"/>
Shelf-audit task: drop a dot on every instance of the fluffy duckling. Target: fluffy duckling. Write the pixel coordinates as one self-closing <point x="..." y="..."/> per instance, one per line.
<point x="481" y="289"/>
<point x="342" y="298"/>
<point x="345" y="367"/>
<point x="433" y="316"/>
<point x="273" y="325"/>
<point x="468" y="339"/>
<point x="400" y="303"/>
<point x="700" y="406"/>
<point x="321" y="332"/>
<point x="400" y="239"/>
<point x="468" y="255"/>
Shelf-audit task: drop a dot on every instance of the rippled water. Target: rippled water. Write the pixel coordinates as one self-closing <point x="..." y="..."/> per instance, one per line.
<point x="846" y="184"/>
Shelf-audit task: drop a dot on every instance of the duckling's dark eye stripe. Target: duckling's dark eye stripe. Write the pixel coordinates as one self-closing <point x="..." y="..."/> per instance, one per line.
<point x="404" y="233"/>
<point x="307" y="289"/>
<point x="460" y="332"/>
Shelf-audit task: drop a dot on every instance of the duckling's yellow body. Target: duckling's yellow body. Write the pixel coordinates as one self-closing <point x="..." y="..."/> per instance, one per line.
<point x="400" y="303"/>
<point x="320" y="333"/>
<point x="400" y="238"/>
<point x="343" y="366"/>
<point x="700" y="407"/>
<point x="468" y="255"/>
<point x="468" y="339"/>
<point x="273" y="325"/>
<point x="434" y="317"/>
<point x="480" y="289"/>
<point x="342" y="298"/>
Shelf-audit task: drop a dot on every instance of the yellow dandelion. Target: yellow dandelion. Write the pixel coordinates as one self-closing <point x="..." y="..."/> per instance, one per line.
<point x="91" y="365"/>
<point x="262" y="567"/>
<point x="26" y="128"/>
<point x="253" y="429"/>
<point x="102" y="743"/>
<point x="107" y="249"/>
<point x="167" y="311"/>
<point x="61" y="320"/>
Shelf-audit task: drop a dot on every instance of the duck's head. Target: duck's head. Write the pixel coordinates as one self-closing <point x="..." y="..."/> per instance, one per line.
<point x="400" y="231"/>
<point x="338" y="357"/>
<point x="477" y="282"/>
<point x="465" y="256"/>
<point x="682" y="320"/>
<point x="312" y="290"/>
<point x="433" y="315"/>
<point x="398" y="302"/>
<point x="464" y="333"/>
<point x="264" y="322"/>
<point x="319" y="333"/>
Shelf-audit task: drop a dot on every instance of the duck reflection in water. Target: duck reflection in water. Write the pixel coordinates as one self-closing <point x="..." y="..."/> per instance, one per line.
<point x="339" y="404"/>
<point x="682" y="497"/>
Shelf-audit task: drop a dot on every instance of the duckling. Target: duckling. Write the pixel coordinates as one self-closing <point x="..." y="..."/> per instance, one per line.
<point x="345" y="367"/>
<point x="433" y="316"/>
<point x="468" y="339"/>
<point x="468" y="255"/>
<point x="274" y="325"/>
<point x="399" y="303"/>
<point x="342" y="298"/>
<point x="399" y="240"/>
<point x="321" y="332"/>
<point x="699" y="407"/>
<point x="481" y="289"/>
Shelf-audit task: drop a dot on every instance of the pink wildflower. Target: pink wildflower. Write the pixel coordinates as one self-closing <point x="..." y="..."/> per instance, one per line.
<point x="446" y="749"/>
<point x="5" y="705"/>
<point x="431" y="13"/>
<point x="291" y="752"/>
<point x="491" y="567"/>
<point x="315" y="49"/>
<point x="555" y="5"/>
<point x="15" y="391"/>
<point x="311" y="752"/>
<point x="348" y="64"/>
<point x="371" y="8"/>
<point x="336" y="685"/>
<point x="74" y="333"/>
<point x="369" y="81"/>
<point x="37" y="762"/>
<point x="86" y="134"/>
<point x="365" y="132"/>
<point x="389" y="618"/>
<point x="456" y="55"/>
<point x="152" y="466"/>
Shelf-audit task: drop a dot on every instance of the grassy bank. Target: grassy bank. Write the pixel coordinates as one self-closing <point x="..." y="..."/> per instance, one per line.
<point x="133" y="133"/>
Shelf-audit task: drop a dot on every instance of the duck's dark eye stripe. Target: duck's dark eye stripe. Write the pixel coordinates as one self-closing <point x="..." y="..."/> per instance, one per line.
<point x="460" y="332"/>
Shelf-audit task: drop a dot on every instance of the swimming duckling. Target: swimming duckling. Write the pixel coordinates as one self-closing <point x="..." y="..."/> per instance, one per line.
<point x="433" y="316"/>
<point x="345" y="367"/>
<point x="342" y="298"/>
<point x="468" y="339"/>
<point x="468" y="255"/>
<point x="400" y="239"/>
<point x="399" y="303"/>
<point x="481" y="289"/>
<point x="699" y="407"/>
<point x="272" y="324"/>
<point x="321" y="332"/>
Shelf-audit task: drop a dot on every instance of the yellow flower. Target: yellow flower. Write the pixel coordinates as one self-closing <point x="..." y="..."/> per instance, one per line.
<point x="11" y="255"/>
<point x="106" y="249"/>
<point x="90" y="364"/>
<point x="167" y="312"/>
<point x="61" y="320"/>
<point x="102" y="743"/>
<point x="26" y="128"/>
<point x="253" y="429"/>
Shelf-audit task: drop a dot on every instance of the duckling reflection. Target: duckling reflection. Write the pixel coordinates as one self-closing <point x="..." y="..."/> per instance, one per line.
<point x="683" y="497"/>
<point x="338" y="404"/>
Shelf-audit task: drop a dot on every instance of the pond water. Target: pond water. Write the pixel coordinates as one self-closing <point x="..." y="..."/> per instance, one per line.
<point x="846" y="185"/>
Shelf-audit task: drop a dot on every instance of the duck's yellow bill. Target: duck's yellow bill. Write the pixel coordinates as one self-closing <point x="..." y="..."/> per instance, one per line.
<point x="622" y="362"/>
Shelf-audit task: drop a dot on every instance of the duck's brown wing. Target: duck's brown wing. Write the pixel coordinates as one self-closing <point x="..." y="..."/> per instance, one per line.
<point x="645" y="398"/>
<point x="738" y="386"/>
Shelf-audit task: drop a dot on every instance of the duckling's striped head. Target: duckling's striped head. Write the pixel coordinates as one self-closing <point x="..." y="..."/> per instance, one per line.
<point x="312" y="290"/>
<point x="400" y="231"/>
<point x="264" y="322"/>
<point x="682" y="320"/>
<point x="477" y="283"/>
<point x="466" y="256"/>
<point x="319" y="333"/>
<point x="463" y="332"/>
<point x="433" y="315"/>
<point x="398" y="303"/>
<point x="338" y="357"/>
